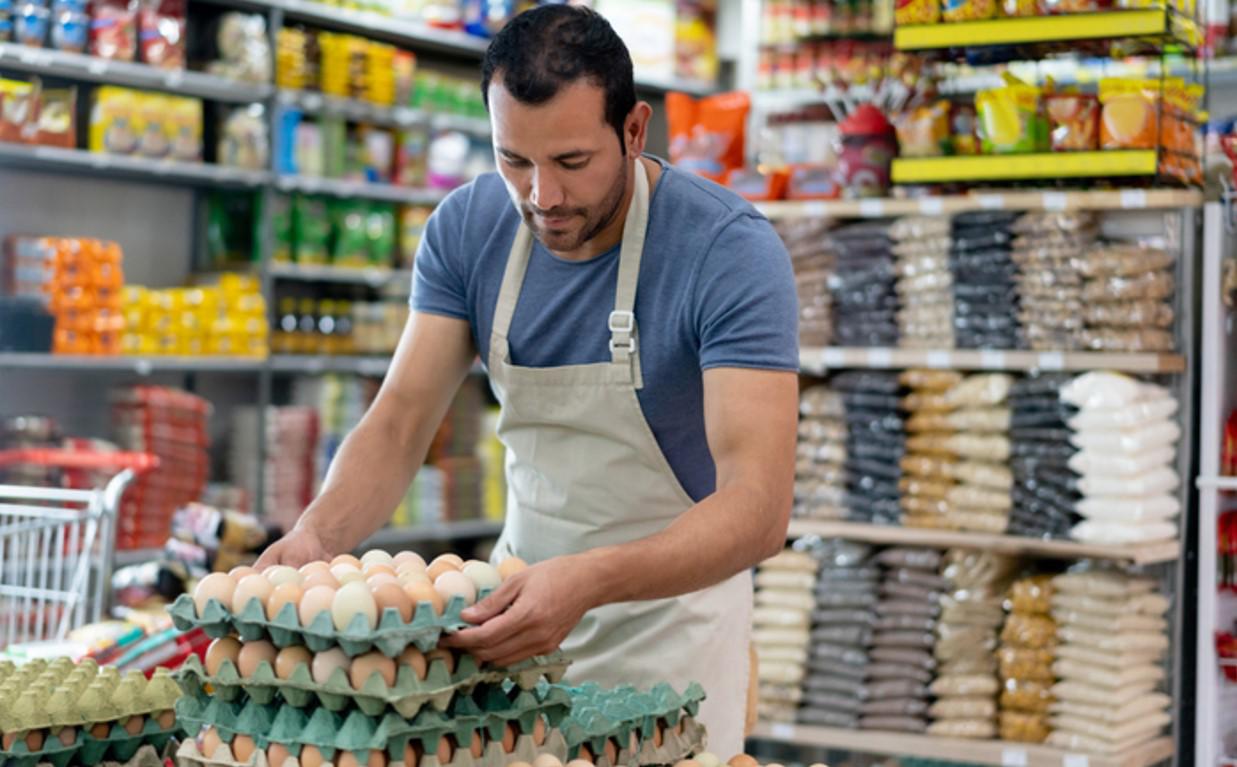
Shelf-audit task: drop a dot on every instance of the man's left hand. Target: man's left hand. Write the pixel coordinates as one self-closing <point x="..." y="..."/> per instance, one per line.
<point x="530" y="614"/>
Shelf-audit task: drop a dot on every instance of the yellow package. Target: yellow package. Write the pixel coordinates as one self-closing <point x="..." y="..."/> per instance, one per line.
<point x="967" y="10"/>
<point x="924" y="132"/>
<point x="183" y="125"/>
<point x="1009" y="120"/>
<point x="911" y="12"/>
<point x="115" y="120"/>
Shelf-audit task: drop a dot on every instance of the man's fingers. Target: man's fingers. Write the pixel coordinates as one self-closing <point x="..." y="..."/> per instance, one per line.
<point x="493" y="605"/>
<point x="488" y="633"/>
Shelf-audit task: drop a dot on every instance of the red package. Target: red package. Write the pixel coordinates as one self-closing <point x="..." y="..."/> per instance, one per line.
<point x="707" y="136"/>
<point x="113" y="29"/>
<point x="161" y="33"/>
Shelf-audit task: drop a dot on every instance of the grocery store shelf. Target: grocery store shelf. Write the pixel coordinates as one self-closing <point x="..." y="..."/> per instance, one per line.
<point x="819" y="360"/>
<point x="357" y="110"/>
<point x="127" y="557"/>
<point x="1108" y="25"/>
<point x="81" y="162"/>
<point x="359" y="190"/>
<point x="77" y="66"/>
<point x="1127" y="199"/>
<point x="1015" y="167"/>
<point x="316" y="364"/>
<point x="986" y="752"/>
<point x="1217" y="483"/>
<point x="373" y="276"/>
<point x="1141" y="553"/>
<point x="144" y="366"/>
<point x="392" y="537"/>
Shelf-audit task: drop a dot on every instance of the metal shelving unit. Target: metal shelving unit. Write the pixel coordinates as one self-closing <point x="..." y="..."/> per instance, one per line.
<point x="142" y="366"/>
<point x="373" y="276"/>
<point x="80" y="162"/>
<point x="819" y="361"/>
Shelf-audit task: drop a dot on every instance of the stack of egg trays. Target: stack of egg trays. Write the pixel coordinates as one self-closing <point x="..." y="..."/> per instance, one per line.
<point x="865" y="301"/>
<point x="834" y="689"/>
<point x="820" y="465"/>
<point x="985" y="290"/>
<point x="484" y="714"/>
<point x="901" y="664"/>
<point x="875" y="444"/>
<point x="92" y="704"/>
<point x="623" y="725"/>
<point x="1045" y="490"/>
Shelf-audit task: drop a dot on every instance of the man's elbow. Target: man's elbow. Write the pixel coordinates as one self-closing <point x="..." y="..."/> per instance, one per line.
<point x="778" y="506"/>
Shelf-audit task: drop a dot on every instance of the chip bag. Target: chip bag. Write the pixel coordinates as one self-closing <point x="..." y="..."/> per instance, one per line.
<point x="910" y="12"/>
<point x="968" y="10"/>
<point x="707" y="135"/>
<point x="1073" y="121"/>
<point x="924" y="131"/>
<point x="1128" y="119"/>
<point x="1009" y="119"/>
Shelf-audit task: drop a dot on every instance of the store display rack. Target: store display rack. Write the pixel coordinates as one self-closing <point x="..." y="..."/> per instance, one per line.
<point x="314" y="103"/>
<point x="79" y="162"/>
<point x="372" y="276"/>
<point x="980" y="752"/>
<point x="1032" y="200"/>
<point x="1156" y="23"/>
<point x="818" y="361"/>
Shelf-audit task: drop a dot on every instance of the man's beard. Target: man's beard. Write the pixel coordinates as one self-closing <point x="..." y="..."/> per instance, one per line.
<point x="593" y="226"/>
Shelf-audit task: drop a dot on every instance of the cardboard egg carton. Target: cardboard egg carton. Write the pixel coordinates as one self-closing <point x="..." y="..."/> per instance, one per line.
<point x="407" y="697"/>
<point x="624" y="725"/>
<point x="486" y="713"/>
<point x="391" y="636"/>
<point x="79" y="713"/>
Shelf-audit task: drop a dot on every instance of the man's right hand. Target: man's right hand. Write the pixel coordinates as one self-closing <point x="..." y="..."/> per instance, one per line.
<point x="298" y="547"/>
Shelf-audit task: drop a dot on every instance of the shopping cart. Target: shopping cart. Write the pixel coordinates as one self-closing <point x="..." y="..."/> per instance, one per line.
<point x="56" y="544"/>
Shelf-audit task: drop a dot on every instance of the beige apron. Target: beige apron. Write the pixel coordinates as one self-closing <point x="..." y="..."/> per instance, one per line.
<point x="584" y="470"/>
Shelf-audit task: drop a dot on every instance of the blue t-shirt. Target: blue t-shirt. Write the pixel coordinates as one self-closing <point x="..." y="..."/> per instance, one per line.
<point x="716" y="289"/>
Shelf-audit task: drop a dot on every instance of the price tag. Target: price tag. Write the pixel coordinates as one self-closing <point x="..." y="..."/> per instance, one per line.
<point x="175" y="78"/>
<point x="880" y="358"/>
<point x="97" y="67"/>
<point x="1075" y="760"/>
<point x="871" y="208"/>
<point x="161" y="168"/>
<point x="815" y="209"/>
<point x="833" y="358"/>
<point x="1055" y="201"/>
<point x="991" y="201"/>
<point x="932" y="206"/>
<point x="939" y="360"/>
<point x="100" y="161"/>
<point x="312" y="101"/>
<point x="783" y="731"/>
<point x="1013" y="757"/>
<point x="1051" y="361"/>
<point x="991" y="360"/>
<point x="1132" y="199"/>
<point x="143" y="367"/>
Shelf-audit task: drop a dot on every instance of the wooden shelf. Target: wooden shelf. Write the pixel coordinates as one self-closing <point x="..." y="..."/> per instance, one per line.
<point x="986" y="752"/>
<point x="143" y="366"/>
<point x="817" y="360"/>
<point x="1139" y="554"/>
<point x="1127" y="199"/>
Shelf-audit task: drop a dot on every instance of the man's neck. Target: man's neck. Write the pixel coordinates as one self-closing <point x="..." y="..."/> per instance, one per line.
<point x="612" y="234"/>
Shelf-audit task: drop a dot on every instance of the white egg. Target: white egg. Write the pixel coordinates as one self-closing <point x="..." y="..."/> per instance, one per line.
<point x="353" y="599"/>
<point x="483" y="575"/>
<point x="376" y="556"/>
<point x="278" y="575"/>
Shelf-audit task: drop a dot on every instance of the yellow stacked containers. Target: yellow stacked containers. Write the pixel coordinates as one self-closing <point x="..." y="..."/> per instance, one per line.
<point x="227" y="319"/>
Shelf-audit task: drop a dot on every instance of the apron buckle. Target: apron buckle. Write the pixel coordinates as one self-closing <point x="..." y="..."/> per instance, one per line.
<point x="622" y="334"/>
<point x="622" y="321"/>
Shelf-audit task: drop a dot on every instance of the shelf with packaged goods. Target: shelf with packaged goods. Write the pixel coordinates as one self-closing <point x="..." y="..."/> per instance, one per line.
<point x="396" y="537"/>
<point x="359" y="190"/>
<point x="314" y="103"/>
<point x="1021" y="167"/>
<point x="77" y="66"/>
<point x="1138" y="553"/>
<point x="420" y="37"/>
<point x="819" y="360"/>
<point x="143" y="366"/>
<point x="985" y="752"/>
<point x="372" y="276"/>
<point x="317" y="364"/>
<point x="81" y="162"/>
<point x="1127" y="199"/>
<point x="1107" y="25"/>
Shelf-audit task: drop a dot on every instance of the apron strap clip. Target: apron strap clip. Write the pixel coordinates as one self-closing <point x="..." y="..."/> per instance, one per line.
<point x="622" y="335"/>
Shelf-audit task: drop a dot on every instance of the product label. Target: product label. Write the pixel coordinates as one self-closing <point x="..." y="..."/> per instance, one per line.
<point x="932" y="206"/>
<point x="1013" y="757"/>
<point x="871" y="208"/>
<point x="1132" y="199"/>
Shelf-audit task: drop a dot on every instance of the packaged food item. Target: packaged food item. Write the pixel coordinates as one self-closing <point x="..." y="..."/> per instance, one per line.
<point x="707" y="135"/>
<point x="183" y="121"/>
<point x="869" y="144"/>
<point x="244" y="141"/>
<point x="924" y="131"/>
<point x="1013" y="9"/>
<point x="963" y="122"/>
<point x="115" y="120"/>
<point x="18" y="107"/>
<point x="31" y="22"/>
<point x="1054" y="7"/>
<point x="1009" y="119"/>
<point x="161" y="32"/>
<point x="70" y="26"/>
<point x="967" y="10"/>
<point x="113" y="29"/>
<point x="1073" y="121"/>
<point x="1129" y="113"/>
<point x="57" y="121"/>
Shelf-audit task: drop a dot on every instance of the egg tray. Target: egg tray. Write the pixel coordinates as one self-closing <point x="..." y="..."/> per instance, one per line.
<point x="118" y="746"/>
<point x="408" y="697"/>
<point x="391" y="636"/>
<point x="631" y="718"/>
<point x="487" y="710"/>
<point x="147" y="755"/>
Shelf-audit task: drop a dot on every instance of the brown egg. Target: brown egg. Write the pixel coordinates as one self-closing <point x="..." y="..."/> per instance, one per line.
<point x="7" y="740"/>
<point x="547" y="760"/>
<point x="287" y="660"/>
<point x="223" y="648"/>
<point x="253" y="654"/>
<point x="326" y="662"/>
<point x="166" y="720"/>
<point x="415" y="659"/>
<point x="243" y="748"/>
<point x="315" y="600"/>
<point x="510" y="736"/>
<point x="407" y="557"/>
<point x="285" y="593"/>
<point x="581" y="762"/>
<point x="241" y="571"/>
<point x="476" y="746"/>
<point x="519" y="764"/>
<point x="391" y="595"/>
<point x="377" y="579"/>
<point x="218" y="586"/>
<point x="659" y="734"/>
<point x="441" y="654"/>
<point x="312" y="757"/>
<point x="446" y="750"/>
<point x="365" y="666"/>
<point x="611" y="751"/>
<point x="346" y="559"/>
<point x="412" y="754"/>
<point x="373" y="758"/>
<point x="687" y="763"/>
<point x="315" y="579"/>
<point x="377" y="568"/>
<point x="539" y="731"/>
<point x="585" y="755"/>
<point x="209" y="742"/>
<point x="277" y="754"/>
<point x="100" y="730"/>
<point x="249" y="588"/>
<point x="440" y="566"/>
<point x="314" y="567"/>
<point x="510" y="566"/>
<point x="34" y="739"/>
<point x="67" y="736"/>
<point x="742" y="760"/>
<point x="420" y="592"/>
<point x="419" y="576"/>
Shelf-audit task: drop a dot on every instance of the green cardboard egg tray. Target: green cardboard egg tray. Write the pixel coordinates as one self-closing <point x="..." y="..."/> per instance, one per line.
<point x="147" y="755"/>
<point x="50" y="697"/>
<point x="391" y="636"/>
<point x="630" y="718"/>
<point x="408" y="697"/>
<point x="484" y="713"/>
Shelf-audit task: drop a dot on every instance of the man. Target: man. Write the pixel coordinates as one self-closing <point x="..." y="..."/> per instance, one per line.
<point x="639" y="329"/>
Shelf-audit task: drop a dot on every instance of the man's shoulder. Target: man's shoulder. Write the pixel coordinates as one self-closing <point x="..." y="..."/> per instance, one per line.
<point x="483" y="197"/>
<point x="688" y="193"/>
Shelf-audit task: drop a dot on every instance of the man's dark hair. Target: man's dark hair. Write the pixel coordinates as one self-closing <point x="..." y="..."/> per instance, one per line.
<point x="548" y="47"/>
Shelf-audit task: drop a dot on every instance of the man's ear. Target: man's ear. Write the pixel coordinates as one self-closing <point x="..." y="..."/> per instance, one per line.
<point x="636" y="128"/>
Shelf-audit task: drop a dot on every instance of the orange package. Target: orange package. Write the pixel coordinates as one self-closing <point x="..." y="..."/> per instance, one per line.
<point x="707" y="136"/>
<point x="1073" y="121"/>
<point x="1130" y="113"/>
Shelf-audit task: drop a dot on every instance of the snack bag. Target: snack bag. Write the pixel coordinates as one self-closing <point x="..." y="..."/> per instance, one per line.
<point x="115" y="123"/>
<point x="154" y="112"/>
<point x="1073" y="121"/>
<point x="1128" y="117"/>
<point x="707" y="136"/>
<point x="962" y="125"/>
<point x="924" y="131"/>
<point x="910" y="12"/>
<point x="18" y="106"/>
<point x="113" y="29"/>
<point x="184" y="125"/>
<point x="967" y="10"/>
<point x="161" y="33"/>
<point x="1009" y="119"/>
<point x="57" y="123"/>
<point x="1016" y="9"/>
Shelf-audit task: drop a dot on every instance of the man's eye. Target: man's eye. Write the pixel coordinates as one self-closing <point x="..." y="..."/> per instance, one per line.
<point x="514" y="163"/>
<point x="575" y="165"/>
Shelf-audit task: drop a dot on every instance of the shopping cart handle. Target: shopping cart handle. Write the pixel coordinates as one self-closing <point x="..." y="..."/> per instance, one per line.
<point x="75" y="459"/>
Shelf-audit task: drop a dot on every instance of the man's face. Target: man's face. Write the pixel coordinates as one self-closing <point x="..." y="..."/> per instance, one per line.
<point x="561" y="161"/>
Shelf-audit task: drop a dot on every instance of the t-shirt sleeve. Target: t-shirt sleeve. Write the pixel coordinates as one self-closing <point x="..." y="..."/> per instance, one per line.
<point x="745" y="300"/>
<point x="439" y="277"/>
